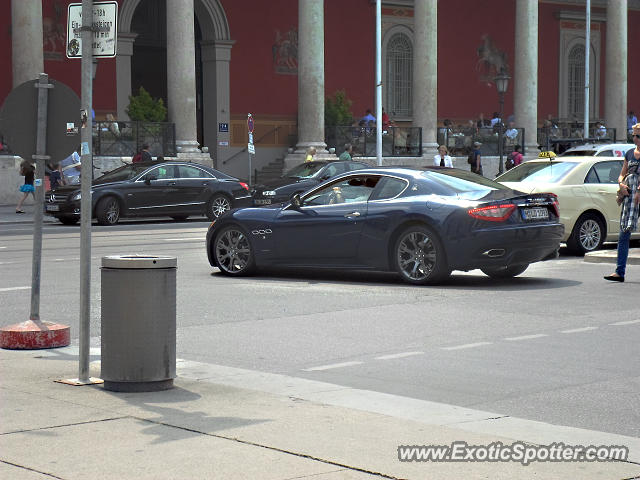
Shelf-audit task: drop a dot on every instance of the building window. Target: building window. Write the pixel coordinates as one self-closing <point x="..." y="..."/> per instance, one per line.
<point x="576" y="81"/>
<point x="399" y="80"/>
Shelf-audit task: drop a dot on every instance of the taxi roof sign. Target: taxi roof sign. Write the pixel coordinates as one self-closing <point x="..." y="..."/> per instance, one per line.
<point x="547" y="154"/>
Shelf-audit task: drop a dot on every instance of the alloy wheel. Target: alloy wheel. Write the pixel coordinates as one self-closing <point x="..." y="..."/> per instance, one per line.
<point x="233" y="251"/>
<point x="219" y="205"/>
<point x="112" y="213"/>
<point x="590" y="234"/>
<point x="416" y="256"/>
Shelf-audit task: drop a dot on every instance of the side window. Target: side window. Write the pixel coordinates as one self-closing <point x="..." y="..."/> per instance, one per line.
<point x="346" y="190"/>
<point x="163" y="172"/>
<point x="330" y="171"/>
<point x="604" y="172"/>
<point x="389" y="188"/>
<point x="192" y="172"/>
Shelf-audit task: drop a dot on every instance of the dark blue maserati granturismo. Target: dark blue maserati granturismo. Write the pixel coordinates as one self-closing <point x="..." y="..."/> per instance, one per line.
<point x="420" y="223"/>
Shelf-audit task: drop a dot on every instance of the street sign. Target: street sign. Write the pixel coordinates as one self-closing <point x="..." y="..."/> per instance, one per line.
<point x="251" y="148"/>
<point x="104" y="30"/>
<point x="19" y="120"/>
<point x="223" y="127"/>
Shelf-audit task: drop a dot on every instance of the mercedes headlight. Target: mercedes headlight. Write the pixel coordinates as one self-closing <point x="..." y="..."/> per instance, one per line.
<point x="76" y="196"/>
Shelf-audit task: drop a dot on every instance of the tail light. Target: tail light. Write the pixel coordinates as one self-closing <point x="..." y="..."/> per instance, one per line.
<point x="555" y="204"/>
<point x="244" y="185"/>
<point x="493" y="213"/>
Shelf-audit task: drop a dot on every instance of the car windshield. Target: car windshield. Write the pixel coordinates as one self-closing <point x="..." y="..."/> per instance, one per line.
<point x="305" y="170"/>
<point x="543" y="172"/>
<point x="463" y="183"/>
<point x="578" y="153"/>
<point x="126" y="172"/>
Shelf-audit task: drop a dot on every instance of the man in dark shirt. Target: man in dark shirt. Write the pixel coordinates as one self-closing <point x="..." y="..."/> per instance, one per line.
<point x="146" y="156"/>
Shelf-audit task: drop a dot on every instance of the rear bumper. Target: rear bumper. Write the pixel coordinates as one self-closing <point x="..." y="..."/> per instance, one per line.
<point x="509" y="246"/>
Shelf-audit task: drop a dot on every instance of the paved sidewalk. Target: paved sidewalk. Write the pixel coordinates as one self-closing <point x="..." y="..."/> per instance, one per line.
<point x="211" y="430"/>
<point x="8" y="214"/>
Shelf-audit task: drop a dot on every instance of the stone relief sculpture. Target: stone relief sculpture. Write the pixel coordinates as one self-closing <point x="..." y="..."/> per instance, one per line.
<point x="285" y="52"/>
<point x="491" y="60"/>
<point x="53" y="30"/>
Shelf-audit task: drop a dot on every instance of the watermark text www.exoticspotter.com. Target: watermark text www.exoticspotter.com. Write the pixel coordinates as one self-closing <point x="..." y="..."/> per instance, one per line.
<point x="515" y="452"/>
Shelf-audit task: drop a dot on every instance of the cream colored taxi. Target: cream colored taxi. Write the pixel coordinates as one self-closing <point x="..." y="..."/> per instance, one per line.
<point x="586" y="188"/>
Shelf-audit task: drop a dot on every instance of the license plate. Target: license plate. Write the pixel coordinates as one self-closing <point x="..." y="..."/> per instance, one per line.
<point x="53" y="208"/>
<point x="266" y="201"/>
<point x="536" y="213"/>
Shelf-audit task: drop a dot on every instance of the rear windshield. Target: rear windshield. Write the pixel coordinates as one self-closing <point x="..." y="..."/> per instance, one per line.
<point x="543" y="172"/>
<point x="305" y="170"/>
<point x="578" y="153"/>
<point x="126" y="172"/>
<point x="452" y="181"/>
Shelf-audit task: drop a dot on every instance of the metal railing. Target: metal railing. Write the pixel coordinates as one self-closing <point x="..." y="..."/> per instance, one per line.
<point x="124" y="139"/>
<point x="459" y="141"/>
<point x="396" y="141"/>
<point x="244" y="150"/>
<point x="562" y="137"/>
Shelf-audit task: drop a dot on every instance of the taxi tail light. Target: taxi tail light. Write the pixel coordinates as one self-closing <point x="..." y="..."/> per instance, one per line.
<point x="493" y="213"/>
<point x="244" y="185"/>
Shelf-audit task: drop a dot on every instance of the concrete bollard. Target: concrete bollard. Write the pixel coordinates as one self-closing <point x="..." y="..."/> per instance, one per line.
<point x="138" y="323"/>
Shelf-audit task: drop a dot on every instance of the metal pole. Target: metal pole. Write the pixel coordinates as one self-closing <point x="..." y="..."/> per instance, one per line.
<point x="85" y="191"/>
<point x="587" y="51"/>
<point x="249" y="170"/>
<point x="40" y="157"/>
<point x="378" y="82"/>
<point x="501" y="136"/>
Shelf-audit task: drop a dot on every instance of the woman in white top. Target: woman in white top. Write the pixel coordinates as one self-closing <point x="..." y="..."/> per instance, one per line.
<point x="442" y="159"/>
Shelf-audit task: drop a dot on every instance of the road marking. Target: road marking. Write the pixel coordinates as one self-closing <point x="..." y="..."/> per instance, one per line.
<point x="466" y="345"/>
<point x="329" y="367"/>
<point x="577" y="330"/>
<point x="2" y="247"/>
<point x="7" y="263"/>
<point x="188" y="239"/>
<point x="398" y="355"/>
<point x="66" y="259"/>
<point x="527" y="337"/>
<point x="628" y="322"/>
<point x="12" y="289"/>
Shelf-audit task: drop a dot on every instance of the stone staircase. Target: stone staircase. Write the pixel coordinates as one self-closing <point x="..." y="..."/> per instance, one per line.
<point x="270" y="172"/>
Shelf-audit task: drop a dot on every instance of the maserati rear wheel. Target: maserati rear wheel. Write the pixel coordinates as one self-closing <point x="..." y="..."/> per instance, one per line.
<point x="419" y="256"/>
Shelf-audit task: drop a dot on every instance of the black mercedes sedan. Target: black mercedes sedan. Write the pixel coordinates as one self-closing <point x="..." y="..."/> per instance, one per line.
<point x="301" y="178"/>
<point x="421" y="224"/>
<point x="152" y="189"/>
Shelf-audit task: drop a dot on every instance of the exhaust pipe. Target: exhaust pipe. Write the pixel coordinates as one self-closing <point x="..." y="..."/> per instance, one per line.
<point x="494" y="253"/>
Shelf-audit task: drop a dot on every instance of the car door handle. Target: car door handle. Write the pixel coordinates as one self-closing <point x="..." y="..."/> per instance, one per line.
<point x="171" y="184"/>
<point x="352" y="214"/>
<point x="205" y="183"/>
<point x="603" y="192"/>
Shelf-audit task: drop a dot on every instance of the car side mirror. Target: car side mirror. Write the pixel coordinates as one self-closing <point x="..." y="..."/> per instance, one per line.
<point x="296" y="201"/>
<point x="148" y="179"/>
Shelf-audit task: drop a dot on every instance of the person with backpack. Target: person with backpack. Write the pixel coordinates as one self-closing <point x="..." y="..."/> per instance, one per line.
<point x="514" y="158"/>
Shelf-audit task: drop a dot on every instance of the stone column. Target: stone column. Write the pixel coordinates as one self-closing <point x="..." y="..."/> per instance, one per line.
<point x="310" y="80"/>
<point x="525" y="89"/>
<point x="181" y="74"/>
<point x="615" y="100"/>
<point x="216" y="57"/>
<point x="123" y="72"/>
<point x="425" y="74"/>
<point x="26" y="40"/>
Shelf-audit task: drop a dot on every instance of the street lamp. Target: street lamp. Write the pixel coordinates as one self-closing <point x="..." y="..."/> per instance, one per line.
<point x="502" y="83"/>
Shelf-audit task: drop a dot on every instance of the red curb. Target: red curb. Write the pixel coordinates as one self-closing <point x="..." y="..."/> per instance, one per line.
<point x="31" y="335"/>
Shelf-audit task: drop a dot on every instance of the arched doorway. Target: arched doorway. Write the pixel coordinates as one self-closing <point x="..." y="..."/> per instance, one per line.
<point x="142" y="61"/>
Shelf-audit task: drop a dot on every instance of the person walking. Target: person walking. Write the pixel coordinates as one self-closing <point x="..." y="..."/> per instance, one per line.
<point x="476" y="164"/>
<point x="442" y="159"/>
<point x="629" y="185"/>
<point x="28" y="171"/>
<point x="311" y="154"/>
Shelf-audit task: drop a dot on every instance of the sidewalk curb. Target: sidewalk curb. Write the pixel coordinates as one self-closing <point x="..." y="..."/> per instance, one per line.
<point x="611" y="256"/>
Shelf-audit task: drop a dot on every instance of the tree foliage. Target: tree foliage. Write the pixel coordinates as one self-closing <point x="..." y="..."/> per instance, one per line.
<point x="337" y="110"/>
<point x="144" y="108"/>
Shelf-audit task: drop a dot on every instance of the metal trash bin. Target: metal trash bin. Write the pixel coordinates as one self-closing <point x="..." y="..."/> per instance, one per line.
<point x="138" y="323"/>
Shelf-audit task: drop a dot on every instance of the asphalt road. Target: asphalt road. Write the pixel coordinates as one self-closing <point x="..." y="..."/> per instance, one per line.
<point x="557" y="344"/>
